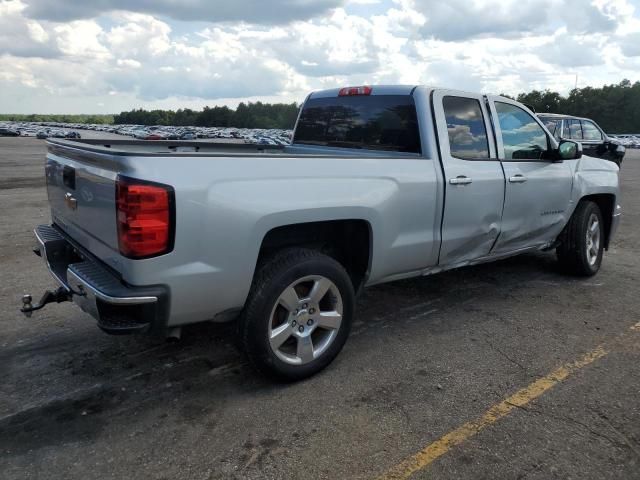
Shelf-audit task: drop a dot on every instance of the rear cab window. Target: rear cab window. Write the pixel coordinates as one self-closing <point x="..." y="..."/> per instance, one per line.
<point x="370" y="122"/>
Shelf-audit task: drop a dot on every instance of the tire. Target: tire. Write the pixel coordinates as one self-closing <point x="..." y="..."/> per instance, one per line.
<point x="580" y="253"/>
<point x="290" y="346"/>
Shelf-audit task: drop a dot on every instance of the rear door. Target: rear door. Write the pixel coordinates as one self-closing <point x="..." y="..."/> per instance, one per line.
<point x="474" y="182"/>
<point x="538" y="190"/>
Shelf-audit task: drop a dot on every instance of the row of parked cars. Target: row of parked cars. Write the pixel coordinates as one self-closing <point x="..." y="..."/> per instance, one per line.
<point x="24" y="129"/>
<point x="628" y="140"/>
<point x="157" y="132"/>
<point x="162" y="132"/>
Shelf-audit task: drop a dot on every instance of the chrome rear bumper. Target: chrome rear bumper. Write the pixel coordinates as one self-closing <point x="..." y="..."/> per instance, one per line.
<point x="118" y="307"/>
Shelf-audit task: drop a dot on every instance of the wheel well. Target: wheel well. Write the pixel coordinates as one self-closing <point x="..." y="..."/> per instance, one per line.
<point x="347" y="241"/>
<point x="606" y="203"/>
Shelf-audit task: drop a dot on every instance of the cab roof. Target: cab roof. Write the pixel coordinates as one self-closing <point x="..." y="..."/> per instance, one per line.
<point x="395" y="90"/>
<point x="561" y="115"/>
<point x="375" y="90"/>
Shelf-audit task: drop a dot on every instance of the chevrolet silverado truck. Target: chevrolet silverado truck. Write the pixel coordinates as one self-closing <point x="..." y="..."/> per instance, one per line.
<point x="379" y="183"/>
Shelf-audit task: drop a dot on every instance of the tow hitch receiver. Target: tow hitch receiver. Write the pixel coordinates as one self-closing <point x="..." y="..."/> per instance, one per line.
<point x="60" y="295"/>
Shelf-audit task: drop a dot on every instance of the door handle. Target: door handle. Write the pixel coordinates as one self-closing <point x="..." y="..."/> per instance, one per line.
<point x="518" y="178"/>
<point x="71" y="201"/>
<point x="460" y="180"/>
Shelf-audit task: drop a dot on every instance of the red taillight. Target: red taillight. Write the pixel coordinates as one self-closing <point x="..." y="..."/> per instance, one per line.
<point x="348" y="91"/>
<point x="144" y="216"/>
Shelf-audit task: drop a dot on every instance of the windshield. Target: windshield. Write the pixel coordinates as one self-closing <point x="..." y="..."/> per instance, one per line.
<point x="376" y="122"/>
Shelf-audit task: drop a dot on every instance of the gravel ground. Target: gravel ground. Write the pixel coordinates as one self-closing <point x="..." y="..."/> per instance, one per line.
<point x="426" y="356"/>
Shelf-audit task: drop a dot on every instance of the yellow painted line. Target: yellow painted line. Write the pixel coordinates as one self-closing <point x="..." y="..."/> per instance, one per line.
<point x="435" y="450"/>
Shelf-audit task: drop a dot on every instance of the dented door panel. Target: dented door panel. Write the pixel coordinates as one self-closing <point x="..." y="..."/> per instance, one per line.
<point x="474" y="181"/>
<point x="536" y="209"/>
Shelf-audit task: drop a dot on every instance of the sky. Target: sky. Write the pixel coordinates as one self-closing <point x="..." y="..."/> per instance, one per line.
<point x="106" y="56"/>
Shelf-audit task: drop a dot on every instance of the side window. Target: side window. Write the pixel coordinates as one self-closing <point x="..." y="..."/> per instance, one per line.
<point x="553" y="125"/>
<point x="466" y="128"/>
<point x="590" y="131"/>
<point x="574" y="129"/>
<point x="522" y="136"/>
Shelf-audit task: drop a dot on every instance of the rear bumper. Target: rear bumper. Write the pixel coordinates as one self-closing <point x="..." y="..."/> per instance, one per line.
<point x="119" y="308"/>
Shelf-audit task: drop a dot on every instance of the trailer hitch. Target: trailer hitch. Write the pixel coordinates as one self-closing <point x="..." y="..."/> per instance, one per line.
<point x="59" y="295"/>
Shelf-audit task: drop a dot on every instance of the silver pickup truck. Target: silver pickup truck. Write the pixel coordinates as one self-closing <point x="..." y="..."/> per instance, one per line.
<point x="379" y="184"/>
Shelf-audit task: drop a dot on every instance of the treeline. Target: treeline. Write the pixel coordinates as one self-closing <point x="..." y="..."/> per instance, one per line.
<point x="616" y="108"/>
<point x="246" y="115"/>
<point x="59" y="118"/>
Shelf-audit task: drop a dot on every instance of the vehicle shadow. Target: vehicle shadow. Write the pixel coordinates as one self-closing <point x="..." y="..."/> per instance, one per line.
<point x="92" y="377"/>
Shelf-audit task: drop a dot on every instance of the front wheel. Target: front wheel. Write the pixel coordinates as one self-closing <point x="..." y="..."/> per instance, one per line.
<point x="298" y="314"/>
<point x="582" y="242"/>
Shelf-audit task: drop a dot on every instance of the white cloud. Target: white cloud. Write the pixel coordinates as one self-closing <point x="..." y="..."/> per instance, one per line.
<point x="138" y="36"/>
<point x="36" y="32"/>
<point x="81" y="38"/>
<point x="125" y="54"/>
<point x="254" y="11"/>
<point x="23" y="37"/>
<point x="128" y="62"/>
<point x="573" y="51"/>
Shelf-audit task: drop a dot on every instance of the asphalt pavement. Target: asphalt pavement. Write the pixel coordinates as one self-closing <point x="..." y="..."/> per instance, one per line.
<point x="507" y="370"/>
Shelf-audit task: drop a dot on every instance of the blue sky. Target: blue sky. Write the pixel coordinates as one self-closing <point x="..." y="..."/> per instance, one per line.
<point x="104" y="56"/>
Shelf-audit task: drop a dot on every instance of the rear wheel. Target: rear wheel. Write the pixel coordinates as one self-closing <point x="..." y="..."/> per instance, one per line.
<point x="582" y="242"/>
<point x="298" y="314"/>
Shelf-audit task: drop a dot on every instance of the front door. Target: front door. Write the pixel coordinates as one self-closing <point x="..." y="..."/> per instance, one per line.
<point x="474" y="182"/>
<point x="538" y="190"/>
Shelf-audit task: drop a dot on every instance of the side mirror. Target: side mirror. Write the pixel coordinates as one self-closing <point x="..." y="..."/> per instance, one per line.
<point x="569" y="150"/>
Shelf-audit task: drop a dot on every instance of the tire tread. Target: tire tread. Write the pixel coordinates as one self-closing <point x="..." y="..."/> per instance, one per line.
<point x="570" y="252"/>
<point x="266" y="272"/>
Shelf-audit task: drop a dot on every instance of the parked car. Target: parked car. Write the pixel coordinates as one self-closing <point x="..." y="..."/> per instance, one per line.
<point x="7" y="132"/>
<point x="154" y="136"/>
<point x="594" y="141"/>
<point x="42" y="134"/>
<point x="405" y="181"/>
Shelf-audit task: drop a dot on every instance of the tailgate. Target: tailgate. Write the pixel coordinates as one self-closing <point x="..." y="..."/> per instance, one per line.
<point x="82" y="187"/>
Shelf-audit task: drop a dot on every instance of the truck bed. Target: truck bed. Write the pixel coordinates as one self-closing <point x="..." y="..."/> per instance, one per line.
<point x="200" y="148"/>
